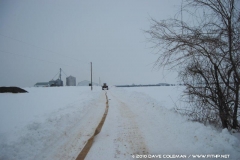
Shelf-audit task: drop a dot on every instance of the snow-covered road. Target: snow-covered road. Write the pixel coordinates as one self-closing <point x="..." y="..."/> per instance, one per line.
<point x="56" y="123"/>
<point x="120" y="136"/>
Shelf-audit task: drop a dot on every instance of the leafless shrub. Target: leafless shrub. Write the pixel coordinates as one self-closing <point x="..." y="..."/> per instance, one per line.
<point x="206" y="54"/>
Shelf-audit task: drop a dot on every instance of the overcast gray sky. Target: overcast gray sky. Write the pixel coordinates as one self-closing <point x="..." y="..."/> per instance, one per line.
<point x="37" y="37"/>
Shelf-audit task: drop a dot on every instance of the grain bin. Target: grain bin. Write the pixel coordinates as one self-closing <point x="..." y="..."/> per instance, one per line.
<point x="71" y="81"/>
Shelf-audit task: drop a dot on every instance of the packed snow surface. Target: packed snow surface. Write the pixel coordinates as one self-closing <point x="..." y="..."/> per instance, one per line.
<point x="55" y="123"/>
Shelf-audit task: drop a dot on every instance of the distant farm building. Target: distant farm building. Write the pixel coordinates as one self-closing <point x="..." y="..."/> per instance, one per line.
<point x="71" y="81"/>
<point x="42" y="84"/>
<point x="51" y="83"/>
<point x="57" y="82"/>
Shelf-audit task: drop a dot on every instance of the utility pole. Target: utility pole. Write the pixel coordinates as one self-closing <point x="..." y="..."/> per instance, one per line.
<point x="91" y="77"/>
<point x="99" y="82"/>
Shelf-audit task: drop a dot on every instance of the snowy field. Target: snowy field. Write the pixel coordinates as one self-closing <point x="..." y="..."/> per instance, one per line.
<point x="55" y="123"/>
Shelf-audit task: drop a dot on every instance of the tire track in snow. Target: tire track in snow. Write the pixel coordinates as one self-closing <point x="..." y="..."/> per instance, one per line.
<point x="129" y="134"/>
<point x="89" y="143"/>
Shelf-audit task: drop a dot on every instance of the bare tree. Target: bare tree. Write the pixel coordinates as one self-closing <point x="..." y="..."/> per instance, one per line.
<point x="206" y="54"/>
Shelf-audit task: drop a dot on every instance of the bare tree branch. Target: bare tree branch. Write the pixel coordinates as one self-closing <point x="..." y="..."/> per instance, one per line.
<point x="206" y="53"/>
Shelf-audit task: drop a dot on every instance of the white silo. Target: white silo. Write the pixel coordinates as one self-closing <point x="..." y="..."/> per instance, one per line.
<point x="71" y="81"/>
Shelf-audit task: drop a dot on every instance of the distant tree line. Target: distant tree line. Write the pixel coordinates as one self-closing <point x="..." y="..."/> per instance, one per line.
<point x="146" y="85"/>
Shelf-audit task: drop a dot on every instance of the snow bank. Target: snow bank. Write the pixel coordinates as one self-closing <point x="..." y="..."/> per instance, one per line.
<point x="33" y="121"/>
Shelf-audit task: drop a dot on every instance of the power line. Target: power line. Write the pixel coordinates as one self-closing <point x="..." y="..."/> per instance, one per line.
<point x="64" y="73"/>
<point x="42" y="60"/>
<point x="59" y="72"/>
<point x="20" y="55"/>
<point x="39" y="47"/>
<point x="38" y="59"/>
<point x="55" y="75"/>
<point x="42" y="49"/>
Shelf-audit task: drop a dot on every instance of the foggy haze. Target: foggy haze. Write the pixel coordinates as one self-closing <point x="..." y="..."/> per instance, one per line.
<point x="37" y="37"/>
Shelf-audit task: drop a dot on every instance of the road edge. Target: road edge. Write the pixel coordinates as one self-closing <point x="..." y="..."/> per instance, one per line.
<point x="89" y="143"/>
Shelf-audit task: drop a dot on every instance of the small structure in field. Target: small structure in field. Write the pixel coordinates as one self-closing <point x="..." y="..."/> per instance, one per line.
<point x="71" y="81"/>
